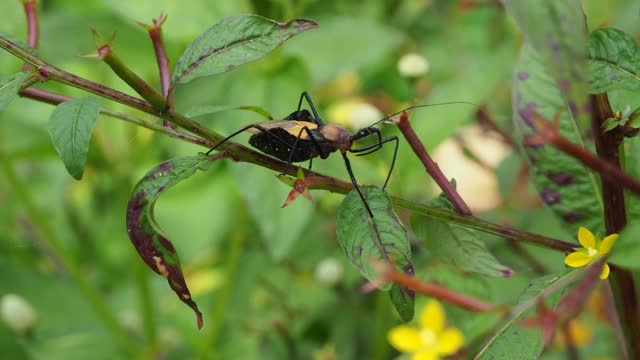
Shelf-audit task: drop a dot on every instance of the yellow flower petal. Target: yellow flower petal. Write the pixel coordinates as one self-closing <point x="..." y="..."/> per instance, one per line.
<point x="586" y="239"/>
<point x="577" y="259"/>
<point x="405" y="338"/>
<point x="607" y="243"/>
<point x="425" y="355"/>
<point x="605" y="271"/>
<point x="450" y="341"/>
<point x="432" y="317"/>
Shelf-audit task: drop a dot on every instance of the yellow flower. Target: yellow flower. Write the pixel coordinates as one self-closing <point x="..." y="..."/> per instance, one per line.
<point x="432" y="340"/>
<point x="592" y="249"/>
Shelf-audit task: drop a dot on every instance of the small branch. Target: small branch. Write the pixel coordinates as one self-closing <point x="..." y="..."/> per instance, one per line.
<point x="55" y="99"/>
<point x="164" y="68"/>
<point x="33" y="33"/>
<point x="484" y="226"/>
<point x="435" y="290"/>
<point x="615" y="215"/>
<point x="548" y="134"/>
<point x="431" y="166"/>
<point x="145" y="90"/>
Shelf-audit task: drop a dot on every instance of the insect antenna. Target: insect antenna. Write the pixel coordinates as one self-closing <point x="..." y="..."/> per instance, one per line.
<point x="424" y="105"/>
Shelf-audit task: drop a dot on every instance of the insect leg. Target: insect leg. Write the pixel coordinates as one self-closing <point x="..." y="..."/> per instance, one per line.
<point x="378" y="146"/>
<point x="295" y="144"/>
<point x="306" y="96"/>
<point x="355" y="183"/>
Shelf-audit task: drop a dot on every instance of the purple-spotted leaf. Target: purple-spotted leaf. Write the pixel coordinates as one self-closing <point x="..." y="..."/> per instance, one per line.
<point x="563" y="183"/>
<point x="556" y="30"/>
<point x="233" y="41"/>
<point x="155" y="249"/>
<point x="367" y="240"/>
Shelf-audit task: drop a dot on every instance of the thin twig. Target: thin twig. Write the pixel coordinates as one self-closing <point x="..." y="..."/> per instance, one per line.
<point x="432" y="168"/>
<point x="548" y="134"/>
<point x="164" y="68"/>
<point x="435" y="290"/>
<point x="33" y="32"/>
<point x="55" y="99"/>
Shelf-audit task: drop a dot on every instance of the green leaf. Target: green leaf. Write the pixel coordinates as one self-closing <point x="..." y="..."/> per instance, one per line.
<point x="70" y="128"/>
<point x="456" y="245"/>
<point x="626" y="250"/>
<point x="403" y="300"/>
<point x="366" y="240"/>
<point x="564" y="184"/>
<point x="557" y="32"/>
<point x="145" y="234"/>
<point x="614" y="61"/>
<point x="610" y="124"/>
<point x="9" y="87"/>
<point x="513" y="338"/>
<point x="381" y="238"/>
<point x="233" y="41"/>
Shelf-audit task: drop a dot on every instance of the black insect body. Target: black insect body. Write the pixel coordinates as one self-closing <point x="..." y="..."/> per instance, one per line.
<point x="303" y="136"/>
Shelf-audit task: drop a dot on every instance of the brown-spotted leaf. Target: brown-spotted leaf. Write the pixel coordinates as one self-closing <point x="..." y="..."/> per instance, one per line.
<point x="155" y="249"/>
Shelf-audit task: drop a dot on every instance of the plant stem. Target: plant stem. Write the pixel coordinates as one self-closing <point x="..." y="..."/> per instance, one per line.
<point x="54" y="243"/>
<point x="484" y="226"/>
<point x="548" y="134"/>
<point x="432" y="168"/>
<point x="155" y="33"/>
<point x="55" y="99"/>
<point x="242" y="153"/>
<point x="132" y="79"/>
<point x="615" y="215"/>
<point x="437" y="291"/>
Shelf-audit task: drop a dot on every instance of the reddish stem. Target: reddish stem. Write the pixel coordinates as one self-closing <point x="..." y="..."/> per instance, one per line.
<point x="431" y="166"/>
<point x="164" y="68"/>
<point x="33" y="33"/>
<point x="437" y="291"/>
<point x="615" y="214"/>
<point x="548" y="134"/>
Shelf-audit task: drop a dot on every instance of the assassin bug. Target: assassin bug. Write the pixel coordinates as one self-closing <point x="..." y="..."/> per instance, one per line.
<point x="303" y="136"/>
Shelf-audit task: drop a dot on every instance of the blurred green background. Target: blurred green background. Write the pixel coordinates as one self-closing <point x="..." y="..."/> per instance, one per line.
<point x="272" y="283"/>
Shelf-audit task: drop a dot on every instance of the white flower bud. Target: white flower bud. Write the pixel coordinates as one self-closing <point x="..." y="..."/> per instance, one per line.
<point x="17" y="313"/>
<point x="413" y="65"/>
<point x="329" y="271"/>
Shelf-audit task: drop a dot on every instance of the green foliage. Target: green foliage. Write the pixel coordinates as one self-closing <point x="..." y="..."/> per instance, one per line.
<point x="614" y="61"/>
<point x="9" y="87"/>
<point x="70" y="127"/>
<point x="233" y="41"/>
<point x="383" y="238"/>
<point x="455" y="245"/>
<point x="564" y="184"/>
